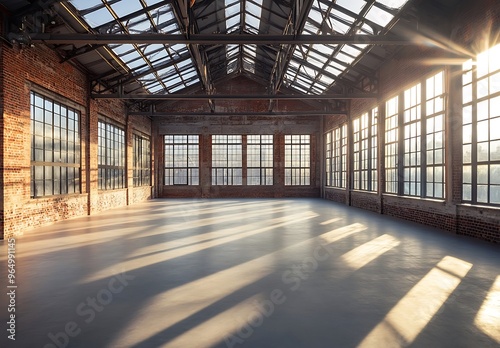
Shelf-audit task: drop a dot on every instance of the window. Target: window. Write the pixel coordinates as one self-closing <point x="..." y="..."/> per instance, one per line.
<point x="55" y="147"/>
<point x="227" y="160"/>
<point x="142" y="161"/>
<point x="419" y="135"/>
<point x="412" y="141"/>
<point x="297" y="160"/>
<point x="435" y="136"/>
<point x="328" y="158"/>
<point x="111" y="156"/>
<point x="182" y="160"/>
<point x="391" y="145"/>
<point x="339" y="156"/>
<point x="260" y="159"/>
<point x="481" y="122"/>
<point x="365" y="151"/>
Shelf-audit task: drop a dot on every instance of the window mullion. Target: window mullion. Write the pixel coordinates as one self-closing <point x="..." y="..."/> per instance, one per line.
<point x="423" y="140"/>
<point x="401" y="148"/>
<point x="474" y="137"/>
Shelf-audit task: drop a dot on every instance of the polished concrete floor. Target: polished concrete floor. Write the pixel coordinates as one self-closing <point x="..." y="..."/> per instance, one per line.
<point x="250" y="273"/>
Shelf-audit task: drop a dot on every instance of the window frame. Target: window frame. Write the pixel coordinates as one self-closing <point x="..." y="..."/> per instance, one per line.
<point x="188" y="143"/>
<point x="266" y="166"/>
<point x="398" y="140"/>
<point x="365" y="156"/>
<point x="328" y="139"/>
<point x="112" y="150"/>
<point x="412" y="139"/>
<point x="141" y="160"/>
<point x="223" y="167"/>
<point x="391" y="145"/>
<point x="478" y="136"/>
<point x="297" y="173"/>
<point x="45" y="142"/>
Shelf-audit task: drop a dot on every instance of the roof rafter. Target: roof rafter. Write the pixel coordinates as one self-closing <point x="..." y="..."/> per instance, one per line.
<point x="235" y="96"/>
<point x="198" y="55"/>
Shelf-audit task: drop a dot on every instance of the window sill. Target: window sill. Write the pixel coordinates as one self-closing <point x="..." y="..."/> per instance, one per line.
<point x="58" y="197"/>
<point x="434" y="200"/>
<point x="479" y="206"/>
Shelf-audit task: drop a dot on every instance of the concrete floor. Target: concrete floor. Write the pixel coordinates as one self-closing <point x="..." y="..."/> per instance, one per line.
<point x="251" y="273"/>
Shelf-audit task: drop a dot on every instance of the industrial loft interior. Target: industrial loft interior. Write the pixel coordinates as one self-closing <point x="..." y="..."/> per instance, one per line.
<point x="257" y="173"/>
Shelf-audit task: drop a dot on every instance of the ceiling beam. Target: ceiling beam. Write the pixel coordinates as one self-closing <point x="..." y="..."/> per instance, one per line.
<point x="212" y="39"/>
<point x="196" y="114"/>
<point x="198" y="55"/>
<point x="295" y="25"/>
<point x="235" y="97"/>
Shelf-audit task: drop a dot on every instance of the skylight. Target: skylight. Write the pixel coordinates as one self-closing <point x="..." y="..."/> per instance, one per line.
<point x="146" y="61"/>
<point x="314" y="68"/>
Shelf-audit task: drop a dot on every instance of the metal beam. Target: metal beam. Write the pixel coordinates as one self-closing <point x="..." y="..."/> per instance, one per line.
<point x="235" y="97"/>
<point x="187" y="22"/>
<point x="203" y="114"/>
<point x="295" y="25"/>
<point x="215" y="39"/>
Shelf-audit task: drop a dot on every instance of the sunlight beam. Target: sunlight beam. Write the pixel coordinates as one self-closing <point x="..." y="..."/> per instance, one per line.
<point x="488" y="317"/>
<point x="156" y="258"/>
<point x="364" y="254"/>
<point x="330" y="221"/>
<point x="413" y="312"/>
<point x="172" y="306"/>
<point x="214" y="330"/>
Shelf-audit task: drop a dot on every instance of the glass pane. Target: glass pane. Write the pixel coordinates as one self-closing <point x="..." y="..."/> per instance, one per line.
<point x="495" y="194"/>
<point x="495" y="174"/>
<point x="467" y="192"/>
<point x="482" y="174"/>
<point x="482" y="152"/>
<point x="482" y="194"/>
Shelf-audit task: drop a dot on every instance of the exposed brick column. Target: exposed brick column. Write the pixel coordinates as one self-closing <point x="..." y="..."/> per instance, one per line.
<point x="279" y="164"/>
<point x="454" y="140"/>
<point x="1" y="137"/>
<point x="129" y="159"/>
<point x="205" y="164"/>
<point x="92" y="152"/>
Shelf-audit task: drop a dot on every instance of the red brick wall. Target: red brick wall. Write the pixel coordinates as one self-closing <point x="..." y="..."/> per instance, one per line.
<point x="207" y="126"/>
<point x="2" y="87"/>
<point x="335" y="194"/>
<point x="20" y="71"/>
<point x="369" y="201"/>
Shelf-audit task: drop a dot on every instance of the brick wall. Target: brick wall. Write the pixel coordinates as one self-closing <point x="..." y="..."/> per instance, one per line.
<point x="369" y="201"/>
<point x="210" y="125"/>
<point x="335" y="194"/>
<point x="22" y="70"/>
<point x="2" y="87"/>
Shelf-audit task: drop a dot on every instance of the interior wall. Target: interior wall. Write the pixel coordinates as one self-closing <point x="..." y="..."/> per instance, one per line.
<point x="39" y="68"/>
<point x="2" y="87"/>
<point x="205" y="126"/>
<point x="472" y="28"/>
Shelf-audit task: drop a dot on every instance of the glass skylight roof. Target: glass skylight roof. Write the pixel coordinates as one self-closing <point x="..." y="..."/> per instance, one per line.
<point x="314" y="68"/>
<point x="146" y="61"/>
